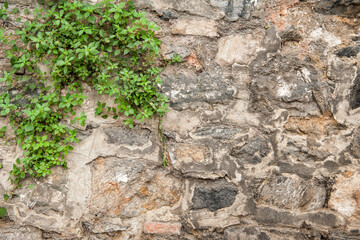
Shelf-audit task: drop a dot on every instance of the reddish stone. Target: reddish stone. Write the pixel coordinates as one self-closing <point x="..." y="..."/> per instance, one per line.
<point x="162" y="228"/>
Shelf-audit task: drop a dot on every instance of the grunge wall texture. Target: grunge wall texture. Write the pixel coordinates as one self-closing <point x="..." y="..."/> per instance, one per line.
<point x="263" y="134"/>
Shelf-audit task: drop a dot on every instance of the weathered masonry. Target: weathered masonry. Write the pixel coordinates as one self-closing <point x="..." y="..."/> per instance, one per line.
<point x="263" y="134"/>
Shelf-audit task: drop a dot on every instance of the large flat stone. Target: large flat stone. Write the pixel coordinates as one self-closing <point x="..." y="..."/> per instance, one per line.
<point x="196" y="27"/>
<point x="345" y="197"/>
<point x="237" y="48"/>
<point x="291" y="192"/>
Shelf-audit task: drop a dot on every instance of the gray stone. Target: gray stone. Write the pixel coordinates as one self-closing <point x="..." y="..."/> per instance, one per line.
<point x="348" y="51"/>
<point x="106" y="227"/>
<point x="253" y="151"/>
<point x="120" y="135"/>
<point x="345" y="8"/>
<point x="213" y="198"/>
<point x="355" y="143"/>
<point x="283" y="82"/>
<point x="260" y="233"/>
<point x="219" y="132"/>
<point x="292" y="192"/>
<point x="185" y="88"/>
<point x="272" y="217"/>
<point x="299" y="169"/>
<point x="235" y="9"/>
<point x="271" y="41"/>
<point x="197" y="8"/>
<point x="355" y="92"/>
<point x="10" y="231"/>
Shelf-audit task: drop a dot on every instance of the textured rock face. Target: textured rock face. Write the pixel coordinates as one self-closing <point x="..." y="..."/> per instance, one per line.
<point x="262" y="136"/>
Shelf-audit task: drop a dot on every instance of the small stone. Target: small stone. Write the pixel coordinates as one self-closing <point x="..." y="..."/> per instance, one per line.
<point x="237" y="48"/>
<point x="192" y="60"/>
<point x="162" y="228"/>
<point x="348" y="51"/>
<point x="196" y="27"/>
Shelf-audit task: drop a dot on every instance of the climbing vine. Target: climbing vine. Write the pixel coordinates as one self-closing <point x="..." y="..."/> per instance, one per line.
<point x="63" y="47"/>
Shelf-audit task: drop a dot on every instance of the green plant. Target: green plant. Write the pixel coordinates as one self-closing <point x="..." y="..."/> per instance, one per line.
<point x="110" y="47"/>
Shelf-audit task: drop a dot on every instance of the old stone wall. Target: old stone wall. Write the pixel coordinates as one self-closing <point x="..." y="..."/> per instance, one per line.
<point x="263" y="136"/>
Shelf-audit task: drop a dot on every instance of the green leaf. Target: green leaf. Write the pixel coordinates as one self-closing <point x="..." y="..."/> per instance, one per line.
<point x="2" y="212"/>
<point x="6" y="4"/>
<point x="6" y="197"/>
<point x="92" y="19"/>
<point x="29" y="127"/>
<point x="31" y="186"/>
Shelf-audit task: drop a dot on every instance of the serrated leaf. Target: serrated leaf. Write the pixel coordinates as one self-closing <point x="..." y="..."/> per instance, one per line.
<point x="6" y="197"/>
<point x="2" y="212"/>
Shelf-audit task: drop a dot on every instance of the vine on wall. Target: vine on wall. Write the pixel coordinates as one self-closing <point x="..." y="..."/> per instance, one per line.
<point x="110" y="47"/>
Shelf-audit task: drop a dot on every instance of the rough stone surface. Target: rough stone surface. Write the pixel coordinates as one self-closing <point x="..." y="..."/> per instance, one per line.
<point x="262" y="134"/>
<point x="292" y="192"/>
<point x="213" y="198"/>
<point x="345" y="196"/>
<point x="196" y="27"/>
<point x="237" y="48"/>
<point x="162" y="228"/>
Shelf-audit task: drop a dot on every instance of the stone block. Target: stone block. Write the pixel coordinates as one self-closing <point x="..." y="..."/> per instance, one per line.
<point x="291" y="192"/>
<point x="237" y="48"/>
<point x="162" y="228"/>
<point x="195" y="27"/>
<point x="345" y="196"/>
<point x="214" y="195"/>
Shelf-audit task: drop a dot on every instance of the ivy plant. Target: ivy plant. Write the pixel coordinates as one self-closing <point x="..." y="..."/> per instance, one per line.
<point x="63" y="47"/>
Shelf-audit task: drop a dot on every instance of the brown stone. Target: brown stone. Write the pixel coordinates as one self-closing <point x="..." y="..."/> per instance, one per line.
<point x="313" y="126"/>
<point x="193" y="61"/>
<point x="162" y="228"/>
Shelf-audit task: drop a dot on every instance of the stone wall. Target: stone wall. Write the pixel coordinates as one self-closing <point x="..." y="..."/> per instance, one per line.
<point x="262" y="135"/>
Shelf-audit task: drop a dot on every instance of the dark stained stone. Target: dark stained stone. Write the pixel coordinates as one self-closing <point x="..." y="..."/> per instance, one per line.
<point x="348" y="51"/>
<point x="355" y="144"/>
<point x="355" y="93"/>
<point x="344" y="8"/>
<point x="291" y="35"/>
<point x="214" y="198"/>
<point x="253" y="151"/>
<point x="271" y="217"/>
<point x="301" y="170"/>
